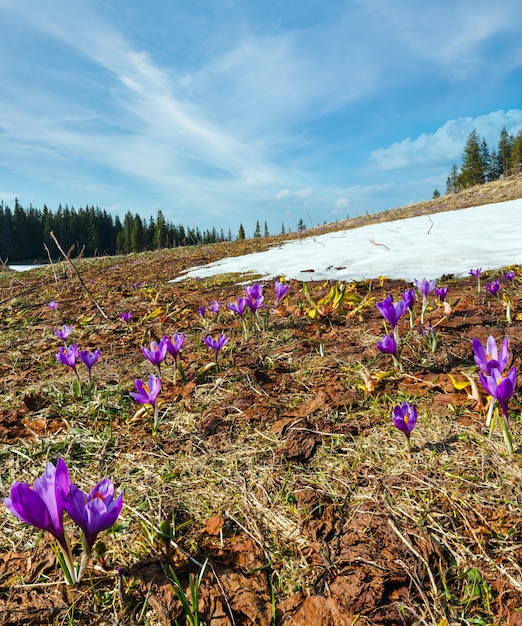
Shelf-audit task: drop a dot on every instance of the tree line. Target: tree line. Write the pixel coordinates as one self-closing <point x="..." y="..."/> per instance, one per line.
<point x="90" y="231"/>
<point x="482" y="165"/>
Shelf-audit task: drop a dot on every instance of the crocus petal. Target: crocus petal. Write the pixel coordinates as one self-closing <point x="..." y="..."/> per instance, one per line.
<point x="29" y="507"/>
<point x="42" y="504"/>
<point x="388" y="345"/>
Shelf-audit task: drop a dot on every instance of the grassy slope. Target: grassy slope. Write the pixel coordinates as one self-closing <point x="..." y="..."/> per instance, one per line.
<point x="235" y="443"/>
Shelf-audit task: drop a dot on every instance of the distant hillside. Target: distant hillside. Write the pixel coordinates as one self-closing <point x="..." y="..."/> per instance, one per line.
<point x="496" y="191"/>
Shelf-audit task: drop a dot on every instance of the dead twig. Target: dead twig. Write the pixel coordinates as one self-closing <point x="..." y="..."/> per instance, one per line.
<point x="51" y="263"/>
<point x="101" y="311"/>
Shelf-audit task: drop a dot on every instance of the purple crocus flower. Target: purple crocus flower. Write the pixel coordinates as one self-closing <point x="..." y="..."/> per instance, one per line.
<point x="156" y="354"/>
<point x="476" y="272"/>
<point x="42" y="504"/>
<point x="388" y="345"/>
<point x="493" y="288"/>
<point x="392" y="311"/>
<point x="509" y="275"/>
<point x="64" y="332"/>
<point x="237" y="306"/>
<point x="254" y="291"/>
<point x="68" y="356"/>
<point x="409" y="297"/>
<point x="441" y="293"/>
<point x="146" y="393"/>
<point x="202" y="311"/>
<point x="217" y="343"/>
<point x="500" y="387"/>
<point x="174" y="344"/>
<point x="95" y="511"/>
<point x="254" y="304"/>
<point x="214" y="307"/>
<point x="404" y="418"/>
<point x="281" y="289"/>
<point x="254" y="300"/>
<point x="489" y="358"/>
<point x="89" y="359"/>
<point x="424" y="286"/>
<point x="53" y="305"/>
<point x="125" y="316"/>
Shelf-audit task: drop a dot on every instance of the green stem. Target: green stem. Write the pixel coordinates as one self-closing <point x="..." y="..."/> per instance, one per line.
<point x="492" y="403"/>
<point x="65" y="560"/>
<point x="506" y="431"/>
<point x="86" y="555"/>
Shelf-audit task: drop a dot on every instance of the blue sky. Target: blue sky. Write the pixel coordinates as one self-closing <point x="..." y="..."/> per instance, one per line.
<point x="221" y="112"/>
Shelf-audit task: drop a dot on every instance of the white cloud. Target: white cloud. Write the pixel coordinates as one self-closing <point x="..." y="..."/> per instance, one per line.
<point x="446" y="143"/>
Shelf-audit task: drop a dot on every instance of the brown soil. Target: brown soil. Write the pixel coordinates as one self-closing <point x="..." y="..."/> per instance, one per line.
<point x="332" y="522"/>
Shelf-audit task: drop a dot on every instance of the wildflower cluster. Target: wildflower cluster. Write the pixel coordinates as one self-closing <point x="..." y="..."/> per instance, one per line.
<point x="502" y="295"/>
<point x="44" y="503"/>
<point x="496" y="382"/>
<point x="393" y="311"/>
<point x="147" y="393"/>
<point x="69" y="354"/>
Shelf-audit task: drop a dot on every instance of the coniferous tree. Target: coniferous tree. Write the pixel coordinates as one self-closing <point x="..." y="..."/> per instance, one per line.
<point x="493" y="173"/>
<point x="504" y="150"/>
<point x="472" y="170"/>
<point x="22" y="244"/>
<point x="283" y="230"/>
<point x="241" y="232"/>
<point x="485" y="158"/>
<point x="136" y="234"/>
<point x="7" y="235"/>
<point x="257" y="232"/>
<point x="266" y="233"/>
<point x="452" y="183"/>
<point x="159" y="239"/>
<point x="516" y="153"/>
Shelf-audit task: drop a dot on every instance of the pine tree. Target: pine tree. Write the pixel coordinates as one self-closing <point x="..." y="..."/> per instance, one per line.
<point x="301" y="225"/>
<point x="159" y="239"/>
<point x="504" y="150"/>
<point x="472" y="171"/>
<point x="283" y="230"/>
<point x="452" y="182"/>
<point x="257" y="232"/>
<point x="266" y="233"/>
<point x="516" y="153"/>
<point x="136" y="234"/>
<point x="436" y="193"/>
<point x="494" y="173"/>
<point x="485" y="158"/>
<point x="241" y="233"/>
